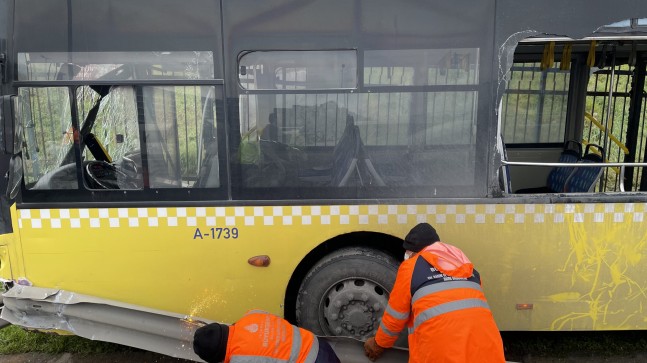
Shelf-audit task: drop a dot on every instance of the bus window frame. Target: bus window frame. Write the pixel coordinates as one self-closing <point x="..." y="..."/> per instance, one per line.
<point x="109" y="197"/>
<point x="243" y="53"/>
<point x="435" y="191"/>
<point x="12" y="130"/>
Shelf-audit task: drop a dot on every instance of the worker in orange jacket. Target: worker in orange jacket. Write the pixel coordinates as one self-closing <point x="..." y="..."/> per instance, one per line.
<point x="260" y="337"/>
<point x="438" y="296"/>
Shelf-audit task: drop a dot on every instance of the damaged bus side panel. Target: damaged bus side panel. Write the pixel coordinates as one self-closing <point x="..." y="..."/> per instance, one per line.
<point x="111" y="321"/>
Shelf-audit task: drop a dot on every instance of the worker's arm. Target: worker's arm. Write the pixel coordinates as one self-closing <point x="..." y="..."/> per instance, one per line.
<point x="396" y="316"/>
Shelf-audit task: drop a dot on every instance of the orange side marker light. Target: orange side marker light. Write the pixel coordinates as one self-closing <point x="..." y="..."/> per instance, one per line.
<point x="524" y="306"/>
<point x="259" y="261"/>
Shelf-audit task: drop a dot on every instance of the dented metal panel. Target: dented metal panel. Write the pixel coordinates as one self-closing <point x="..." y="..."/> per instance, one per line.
<point x="100" y="319"/>
<point x="4" y="323"/>
<point x="158" y="331"/>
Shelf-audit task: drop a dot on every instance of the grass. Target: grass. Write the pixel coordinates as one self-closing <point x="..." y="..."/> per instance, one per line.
<point x="567" y="344"/>
<point x="14" y="340"/>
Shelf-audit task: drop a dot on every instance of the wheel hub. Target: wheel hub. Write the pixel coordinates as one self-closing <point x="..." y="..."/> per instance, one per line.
<point x="353" y="307"/>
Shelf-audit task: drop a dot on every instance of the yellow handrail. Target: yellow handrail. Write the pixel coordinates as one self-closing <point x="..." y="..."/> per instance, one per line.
<point x="590" y="59"/>
<point x="548" y="59"/>
<point x="603" y="129"/>
<point x="604" y="160"/>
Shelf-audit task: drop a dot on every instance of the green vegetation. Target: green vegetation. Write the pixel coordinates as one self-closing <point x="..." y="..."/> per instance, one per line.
<point x="597" y="104"/>
<point x="574" y="344"/>
<point x="534" y="107"/>
<point x="15" y="340"/>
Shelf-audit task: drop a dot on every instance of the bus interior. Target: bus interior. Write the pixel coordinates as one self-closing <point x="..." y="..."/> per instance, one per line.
<point x="589" y="109"/>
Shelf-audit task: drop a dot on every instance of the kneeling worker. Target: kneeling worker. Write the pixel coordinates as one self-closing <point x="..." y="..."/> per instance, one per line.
<point x="260" y="337"/>
<point x="438" y="295"/>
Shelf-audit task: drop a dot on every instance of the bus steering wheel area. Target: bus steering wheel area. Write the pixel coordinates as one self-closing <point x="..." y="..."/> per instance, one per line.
<point x="103" y="175"/>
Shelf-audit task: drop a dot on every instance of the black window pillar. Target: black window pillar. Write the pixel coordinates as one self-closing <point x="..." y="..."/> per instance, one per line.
<point x="633" y="126"/>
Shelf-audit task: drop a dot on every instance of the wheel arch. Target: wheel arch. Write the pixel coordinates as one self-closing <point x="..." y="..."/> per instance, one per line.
<point x="367" y="239"/>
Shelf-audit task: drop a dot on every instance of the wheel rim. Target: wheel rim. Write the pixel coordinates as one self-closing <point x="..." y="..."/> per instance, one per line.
<point x="352" y="307"/>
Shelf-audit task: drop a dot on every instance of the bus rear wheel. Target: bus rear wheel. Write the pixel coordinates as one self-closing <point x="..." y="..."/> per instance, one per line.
<point x="345" y="293"/>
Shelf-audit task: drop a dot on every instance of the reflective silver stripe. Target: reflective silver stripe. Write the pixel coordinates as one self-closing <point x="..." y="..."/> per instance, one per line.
<point x="446" y="308"/>
<point x="396" y="314"/>
<point x="442" y="286"/>
<point x="296" y="344"/>
<point x="314" y="351"/>
<point x="410" y="329"/>
<point x="387" y="331"/>
<point x="294" y="352"/>
<point x="256" y="312"/>
<point x="254" y="359"/>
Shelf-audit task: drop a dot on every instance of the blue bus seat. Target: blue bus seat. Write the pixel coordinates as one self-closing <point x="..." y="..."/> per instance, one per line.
<point x="583" y="180"/>
<point x="559" y="175"/>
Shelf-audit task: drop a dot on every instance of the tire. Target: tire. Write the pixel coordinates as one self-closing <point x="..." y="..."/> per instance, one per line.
<point x="346" y="293"/>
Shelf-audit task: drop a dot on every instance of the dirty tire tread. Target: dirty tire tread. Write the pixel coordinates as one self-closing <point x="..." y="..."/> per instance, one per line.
<point x="362" y="262"/>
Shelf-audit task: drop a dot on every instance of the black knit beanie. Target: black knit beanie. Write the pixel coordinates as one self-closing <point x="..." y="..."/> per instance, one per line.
<point x="210" y="342"/>
<point x="420" y="237"/>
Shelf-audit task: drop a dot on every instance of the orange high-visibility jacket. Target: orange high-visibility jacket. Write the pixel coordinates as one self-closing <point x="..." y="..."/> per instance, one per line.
<point x="438" y="295"/>
<point x="262" y="337"/>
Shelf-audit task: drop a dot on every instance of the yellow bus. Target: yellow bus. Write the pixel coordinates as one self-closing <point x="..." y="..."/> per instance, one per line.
<point x="176" y="161"/>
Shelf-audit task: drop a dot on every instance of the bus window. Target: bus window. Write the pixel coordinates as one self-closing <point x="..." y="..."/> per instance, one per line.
<point x="114" y="66"/>
<point x="141" y="137"/>
<point x="439" y="120"/>
<point x="421" y="67"/>
<point x="533" y="120"/>
<point x="535" y="104"/>
<point x="176" y="124"/>
<point x="112" y="136"/>
<point x="330" y="69"/>
<point x="414" y="116"/>
<point x="48" y="138"/>
<point x="181" y="139"/>
<point x="596" y="98"/>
